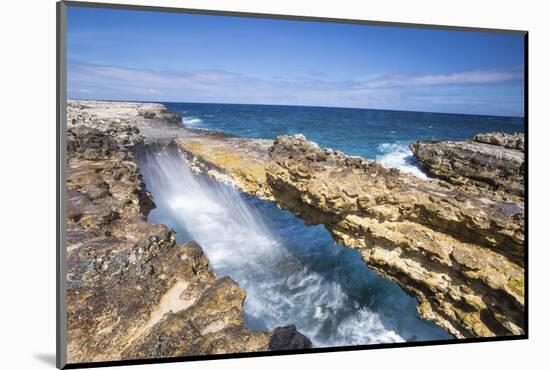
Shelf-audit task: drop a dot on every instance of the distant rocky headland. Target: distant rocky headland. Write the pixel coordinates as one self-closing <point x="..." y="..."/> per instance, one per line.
<point x="493" y="160"/>
<point x="455" y="242"/>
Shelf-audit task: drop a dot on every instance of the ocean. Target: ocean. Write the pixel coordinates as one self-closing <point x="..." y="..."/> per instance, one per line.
<point x="294" y="273"/>
<point x="383" y="135"/>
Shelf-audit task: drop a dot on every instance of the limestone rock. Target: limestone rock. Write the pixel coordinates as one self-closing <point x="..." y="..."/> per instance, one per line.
<point x="147" y="114"/>
<point x="132" y="292"/>
<point x="455" y="245"/>
<point x="237" y="161"/>
<point x="89" y="143"/>
<point x="512" y="141"/>
<point x="460" y="254"/>
<point x="494" y="160"/>
<point x="171" y="117"/>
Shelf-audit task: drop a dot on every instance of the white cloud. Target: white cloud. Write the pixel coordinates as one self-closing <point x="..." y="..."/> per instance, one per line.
<point x="395" y="91"/>
<point x="481" y="77"/>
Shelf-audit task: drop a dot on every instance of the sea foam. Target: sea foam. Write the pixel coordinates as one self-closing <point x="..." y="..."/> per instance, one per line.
<point x="190" y="121"/>
<point x="398" y="155"/>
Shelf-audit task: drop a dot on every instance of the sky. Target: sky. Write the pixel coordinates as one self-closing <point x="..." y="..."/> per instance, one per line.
<point x="115" y="54"/>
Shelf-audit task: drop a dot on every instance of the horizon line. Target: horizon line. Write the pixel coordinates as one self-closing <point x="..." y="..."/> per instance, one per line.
<point x="299" y="105"/>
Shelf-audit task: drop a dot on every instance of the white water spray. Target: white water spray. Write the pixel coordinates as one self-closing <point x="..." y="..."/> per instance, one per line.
<point x="292" y="274"/>
<point x="398" y="155"/>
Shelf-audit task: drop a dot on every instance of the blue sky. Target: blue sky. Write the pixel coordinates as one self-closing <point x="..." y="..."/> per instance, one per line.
<point x="152" y="56"/>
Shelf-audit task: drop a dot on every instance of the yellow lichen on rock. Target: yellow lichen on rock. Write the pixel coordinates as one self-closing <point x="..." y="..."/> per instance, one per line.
<point x="243" y="160"/>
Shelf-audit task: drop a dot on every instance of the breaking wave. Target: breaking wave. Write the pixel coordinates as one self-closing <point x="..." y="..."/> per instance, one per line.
<point x="190" y="121"/>
<point x="396" y="155"/>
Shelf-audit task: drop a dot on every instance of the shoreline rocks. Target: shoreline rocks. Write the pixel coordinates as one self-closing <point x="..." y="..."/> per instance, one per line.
<point x="132" y="291"/>
<point x="512" y="141"/>
<point x="493" y="160"/>
<point x="458" y="253"/>
<point x="457" y="245"/>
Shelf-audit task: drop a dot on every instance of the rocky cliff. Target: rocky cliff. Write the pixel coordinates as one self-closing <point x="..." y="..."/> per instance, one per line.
<point x="494" y="160"/>
<point x="132" y="291"/>
<point x="460" y="253"/>
<point x="456" y="245"/>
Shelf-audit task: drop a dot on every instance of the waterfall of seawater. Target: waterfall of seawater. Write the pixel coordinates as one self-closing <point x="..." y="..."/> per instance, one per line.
<point x="292" y="273"/>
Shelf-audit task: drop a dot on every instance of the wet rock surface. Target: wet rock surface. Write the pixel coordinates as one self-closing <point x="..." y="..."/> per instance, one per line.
<point x="133" y="292"/>
<point x="288" y="338"/>
<point x="492" y="160"/>
<point x="459" y="252"/>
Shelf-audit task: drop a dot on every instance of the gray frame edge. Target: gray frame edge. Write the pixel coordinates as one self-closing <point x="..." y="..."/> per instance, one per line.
<point x="61" y="190"/>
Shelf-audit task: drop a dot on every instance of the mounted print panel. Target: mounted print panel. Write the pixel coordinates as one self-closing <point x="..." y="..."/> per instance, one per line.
<point x="236" y="184"/>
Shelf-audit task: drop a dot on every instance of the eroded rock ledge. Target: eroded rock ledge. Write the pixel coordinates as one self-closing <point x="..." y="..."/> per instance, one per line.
<point x="132" y="291"/>
<point x="460" y="253"/>
<point x="233" y="160"/>
<point x="512" y="141"/>
<point x="457" y="246"/>
<point x="494" y="160"/>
